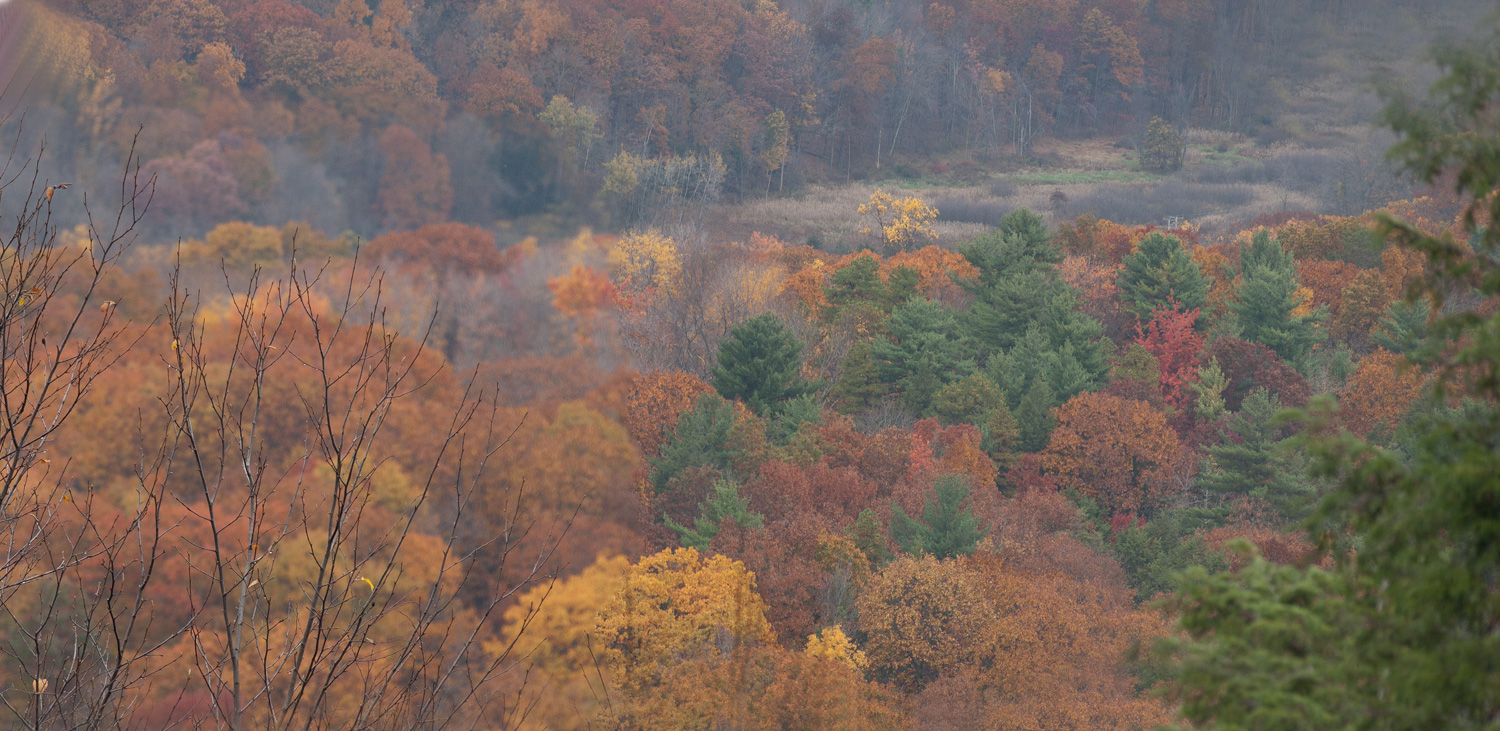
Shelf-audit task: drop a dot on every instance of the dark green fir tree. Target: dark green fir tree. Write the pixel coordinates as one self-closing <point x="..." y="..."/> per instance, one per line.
<point x="948" y="528"/>
<point x="1161" y="275"/>
<point x="1268" y="299"/>
<point x="1253" y="461"/>
<point x="1404" y="328"/>
<point x="858" y="385"/>
<point x="701" y="439"/>
<point x="760" y="363"/>
<point x="926" y="350"/>
<point x="1034" y="416"/>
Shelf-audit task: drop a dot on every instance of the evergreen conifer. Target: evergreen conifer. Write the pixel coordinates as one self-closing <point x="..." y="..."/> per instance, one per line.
<point x="947" y="528"/>
<point x="760" y="363"/>
<point x="1266" y="308"/>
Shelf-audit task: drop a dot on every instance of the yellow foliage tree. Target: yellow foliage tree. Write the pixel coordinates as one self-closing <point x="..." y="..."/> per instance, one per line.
<point x="237" y="244"/>
<point x="832" y="644"/>
<point x="898" y="223"/>
<point x="924" y="618"/>
<point x="676" y="605"/>
<point x="552" y="627"/>
<point x="1306" y="302"/>
<point x="644" y="259"/>
<point x="218" y="68"/>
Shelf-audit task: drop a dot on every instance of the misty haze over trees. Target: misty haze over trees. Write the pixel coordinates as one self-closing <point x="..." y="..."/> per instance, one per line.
<point x="749" y="364"/>
<point x="375" y="118"/>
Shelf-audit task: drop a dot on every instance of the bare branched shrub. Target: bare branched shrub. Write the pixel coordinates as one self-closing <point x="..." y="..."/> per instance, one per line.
<point x="73" y="571"/>
<point x="1145" y="203"/>
<point x="970" y="210"/>
<point x="890" y="412"/>
<point x="679" y="327"/>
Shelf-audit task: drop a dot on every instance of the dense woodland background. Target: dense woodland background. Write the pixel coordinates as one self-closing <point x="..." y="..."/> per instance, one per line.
<point x="784" y="364"/>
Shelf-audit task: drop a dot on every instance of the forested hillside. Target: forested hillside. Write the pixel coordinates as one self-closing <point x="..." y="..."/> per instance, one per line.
<point x="690" y="364"/>
<point x="394" y="115"/>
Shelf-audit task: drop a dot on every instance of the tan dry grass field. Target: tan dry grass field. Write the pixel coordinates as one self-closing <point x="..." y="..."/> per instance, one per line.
<point x="829" y="213"/>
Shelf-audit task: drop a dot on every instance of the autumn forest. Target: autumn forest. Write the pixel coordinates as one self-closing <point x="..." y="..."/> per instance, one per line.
<point x="1018" y="365"/>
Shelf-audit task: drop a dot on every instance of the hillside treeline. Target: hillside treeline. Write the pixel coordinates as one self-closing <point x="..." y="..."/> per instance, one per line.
<point x="392" y="115"/>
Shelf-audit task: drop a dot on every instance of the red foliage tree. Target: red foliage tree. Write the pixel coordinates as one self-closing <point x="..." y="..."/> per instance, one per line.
<point x="783" y="490"/>
<point x="1171" y="338"/>
<point x="443" y="247"/>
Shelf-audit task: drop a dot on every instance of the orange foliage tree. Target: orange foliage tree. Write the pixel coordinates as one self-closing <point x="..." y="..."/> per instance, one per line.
<point x="1028" y="644"/>
<point x="1055" y="647"/>
<point x="1378" y="393"/>
<point x="1327" y="281"/>
<point x="654" y="405"/>
<point x="581" y="292"/>
<point x="1120" y="452"/>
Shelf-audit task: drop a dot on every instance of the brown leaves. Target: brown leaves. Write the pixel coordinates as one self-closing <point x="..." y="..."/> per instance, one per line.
<point x="415" y="190"/>
<point x="1117" y="451"/>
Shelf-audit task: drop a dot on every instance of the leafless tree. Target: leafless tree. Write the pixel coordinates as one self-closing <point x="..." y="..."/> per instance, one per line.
<point x="73" y="573"/>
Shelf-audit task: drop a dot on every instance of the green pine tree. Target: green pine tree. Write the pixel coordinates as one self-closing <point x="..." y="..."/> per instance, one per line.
<point x="900" y="286"/>
<point x="925" y="351"/>
<point x="1161" y="274"/>
<point x="1036" y="236"/>
<point x="791" y="416"/>
<point x="700" y="439"/>
<point x="1404" y="328"/>
<point x="856" y="289"/>
<point x="1154" y="555"/>
<point x="1019" y="290"/>
<point x="1035" y="356"/>
<point x="723" y="503"/>
<point x="1268" y="297"/>
<point x="760" y="363"/>
<point x="1034" y="416"/>
<point x="947" y="529"/>
<point x="1253" y="461"/>
<point x="858" y="385"/>
<point x="855" y="282"/>
<point x="1208" y="391"/>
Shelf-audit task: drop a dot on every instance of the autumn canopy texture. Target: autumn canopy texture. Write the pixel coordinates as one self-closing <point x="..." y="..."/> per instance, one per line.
<point x="780" y="365"/>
